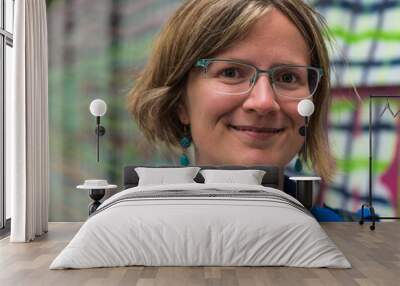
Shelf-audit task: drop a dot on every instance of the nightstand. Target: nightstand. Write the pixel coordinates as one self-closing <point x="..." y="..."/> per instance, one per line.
<point x="97" y="190"/>
<point x="306" y="190"/>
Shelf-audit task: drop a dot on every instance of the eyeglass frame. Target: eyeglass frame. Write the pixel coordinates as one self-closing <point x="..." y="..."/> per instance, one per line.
<point x="203" y="63"/>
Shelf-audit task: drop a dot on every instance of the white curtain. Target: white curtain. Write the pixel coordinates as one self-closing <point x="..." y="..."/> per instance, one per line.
<point x="27" y="136"/>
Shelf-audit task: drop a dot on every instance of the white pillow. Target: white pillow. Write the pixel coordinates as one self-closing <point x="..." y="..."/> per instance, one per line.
<point x="162" y="176"/>
<point x="248" y="177"/>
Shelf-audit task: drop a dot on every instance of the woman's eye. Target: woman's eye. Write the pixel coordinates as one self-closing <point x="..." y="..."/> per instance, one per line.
<point x="287" y="78"/>
<point x="230" y="73"/>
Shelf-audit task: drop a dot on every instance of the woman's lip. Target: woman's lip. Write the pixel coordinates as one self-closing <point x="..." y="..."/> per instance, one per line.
<point x="257" y="133"/>
<point x="257" y="128"/>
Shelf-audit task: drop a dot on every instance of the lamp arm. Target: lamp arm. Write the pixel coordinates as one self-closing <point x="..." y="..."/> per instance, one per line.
<point x="98" y="136"/>
<point x="305" y="137"/>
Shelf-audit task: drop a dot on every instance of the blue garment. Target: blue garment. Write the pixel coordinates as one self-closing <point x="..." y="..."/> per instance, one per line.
<point x="325" y="214"/>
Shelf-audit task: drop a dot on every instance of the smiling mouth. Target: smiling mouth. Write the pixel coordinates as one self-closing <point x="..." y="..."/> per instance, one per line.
<point x="260" y="130"/>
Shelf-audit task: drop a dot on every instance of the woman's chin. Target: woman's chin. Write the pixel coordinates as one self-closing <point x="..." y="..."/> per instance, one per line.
<point x="244" y="158"/>
<point x="257" y="160"/>
<point x="272" y="151"/>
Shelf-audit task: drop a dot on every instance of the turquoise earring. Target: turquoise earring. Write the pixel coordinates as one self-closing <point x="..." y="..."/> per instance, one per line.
<point x="185" y="143"/>
<point x="298" y="166"/>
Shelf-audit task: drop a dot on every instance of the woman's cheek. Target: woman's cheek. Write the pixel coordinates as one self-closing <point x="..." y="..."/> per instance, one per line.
<point x="210" y="107"/>
<point x="291" y="110"/>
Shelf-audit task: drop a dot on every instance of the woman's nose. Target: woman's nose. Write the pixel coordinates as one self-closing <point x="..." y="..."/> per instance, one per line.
<point x="262" y="98"/>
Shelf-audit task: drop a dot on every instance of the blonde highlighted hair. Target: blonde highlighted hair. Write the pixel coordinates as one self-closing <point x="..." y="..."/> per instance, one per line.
<point x="201" y="28"/>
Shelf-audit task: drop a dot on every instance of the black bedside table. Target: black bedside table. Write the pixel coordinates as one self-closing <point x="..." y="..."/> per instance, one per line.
<point x="306" y="190"/>
<point x="97" y="190"/>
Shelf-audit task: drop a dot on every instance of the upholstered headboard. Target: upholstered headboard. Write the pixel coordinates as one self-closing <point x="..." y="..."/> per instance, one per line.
<point x="272" y="178"/>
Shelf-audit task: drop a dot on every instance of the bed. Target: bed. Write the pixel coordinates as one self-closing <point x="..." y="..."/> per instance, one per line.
<point x="201" y="222"/>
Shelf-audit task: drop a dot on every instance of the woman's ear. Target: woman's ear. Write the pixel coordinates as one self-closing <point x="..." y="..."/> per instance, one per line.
<point x="183" y="113"/>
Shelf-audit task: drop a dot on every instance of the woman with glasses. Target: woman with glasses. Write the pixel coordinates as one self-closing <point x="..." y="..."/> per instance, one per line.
<point x="227" y="77"/>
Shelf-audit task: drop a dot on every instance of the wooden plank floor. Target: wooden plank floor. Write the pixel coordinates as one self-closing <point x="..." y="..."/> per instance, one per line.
<point x="374" y="255"/>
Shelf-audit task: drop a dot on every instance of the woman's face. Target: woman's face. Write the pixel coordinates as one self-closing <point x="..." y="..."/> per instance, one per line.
<point x="223" y="127"/>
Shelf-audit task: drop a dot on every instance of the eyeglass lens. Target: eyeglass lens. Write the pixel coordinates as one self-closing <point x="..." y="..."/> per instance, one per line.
<point x="237" y="78"/>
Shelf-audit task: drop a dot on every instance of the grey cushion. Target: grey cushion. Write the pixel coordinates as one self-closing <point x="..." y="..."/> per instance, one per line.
<point x="272" y="178"/>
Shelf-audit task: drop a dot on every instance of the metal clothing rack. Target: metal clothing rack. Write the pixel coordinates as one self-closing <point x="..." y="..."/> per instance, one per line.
<point x="369" y="203"/>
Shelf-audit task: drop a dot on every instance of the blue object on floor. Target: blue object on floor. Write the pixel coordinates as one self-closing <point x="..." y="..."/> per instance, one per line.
<point x="367" y="215"/>
<point x="325" y="215"/>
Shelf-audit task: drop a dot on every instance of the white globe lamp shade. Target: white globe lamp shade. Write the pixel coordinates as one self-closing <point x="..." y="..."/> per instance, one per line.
<point x="305" y="108"/>
<point x="98" y="107"/>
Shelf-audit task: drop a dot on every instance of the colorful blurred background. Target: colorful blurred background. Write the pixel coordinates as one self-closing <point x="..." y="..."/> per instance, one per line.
<point x="97" y="46"/>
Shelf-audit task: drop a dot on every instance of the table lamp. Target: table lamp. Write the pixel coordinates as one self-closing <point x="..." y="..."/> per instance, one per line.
<point x="305" y="185"/>
<point x="98" y="108"/>
<point x="305" y="108"/>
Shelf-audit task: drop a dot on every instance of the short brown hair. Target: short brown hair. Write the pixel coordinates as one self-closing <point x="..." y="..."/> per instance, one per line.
<point x="201" y="28"/>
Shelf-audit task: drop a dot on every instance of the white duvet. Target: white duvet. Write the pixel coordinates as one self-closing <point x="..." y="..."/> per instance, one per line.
<point x="183" y="231"/>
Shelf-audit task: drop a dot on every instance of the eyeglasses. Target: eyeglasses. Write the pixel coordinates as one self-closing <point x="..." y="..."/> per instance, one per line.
<point x="235" y="77"/>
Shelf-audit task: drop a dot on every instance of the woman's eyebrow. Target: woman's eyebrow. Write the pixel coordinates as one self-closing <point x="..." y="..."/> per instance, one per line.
<point x="262" y="66"/>
<point x="244" y="57"/>
<point x="236" y="58"/>
<point x="289" y="63"/>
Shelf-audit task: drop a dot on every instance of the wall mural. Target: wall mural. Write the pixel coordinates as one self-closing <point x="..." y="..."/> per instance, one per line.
<point x="96" y="47"/>
<point x="366" y="55"/>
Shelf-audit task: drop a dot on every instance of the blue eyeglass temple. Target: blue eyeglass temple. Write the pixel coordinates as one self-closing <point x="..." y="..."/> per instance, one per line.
<point x="202" y="63"/>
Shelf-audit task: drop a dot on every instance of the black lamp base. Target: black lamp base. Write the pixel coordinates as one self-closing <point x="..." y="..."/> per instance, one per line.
<point x="304" y="193"/>
<point x="96" y="195"/>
